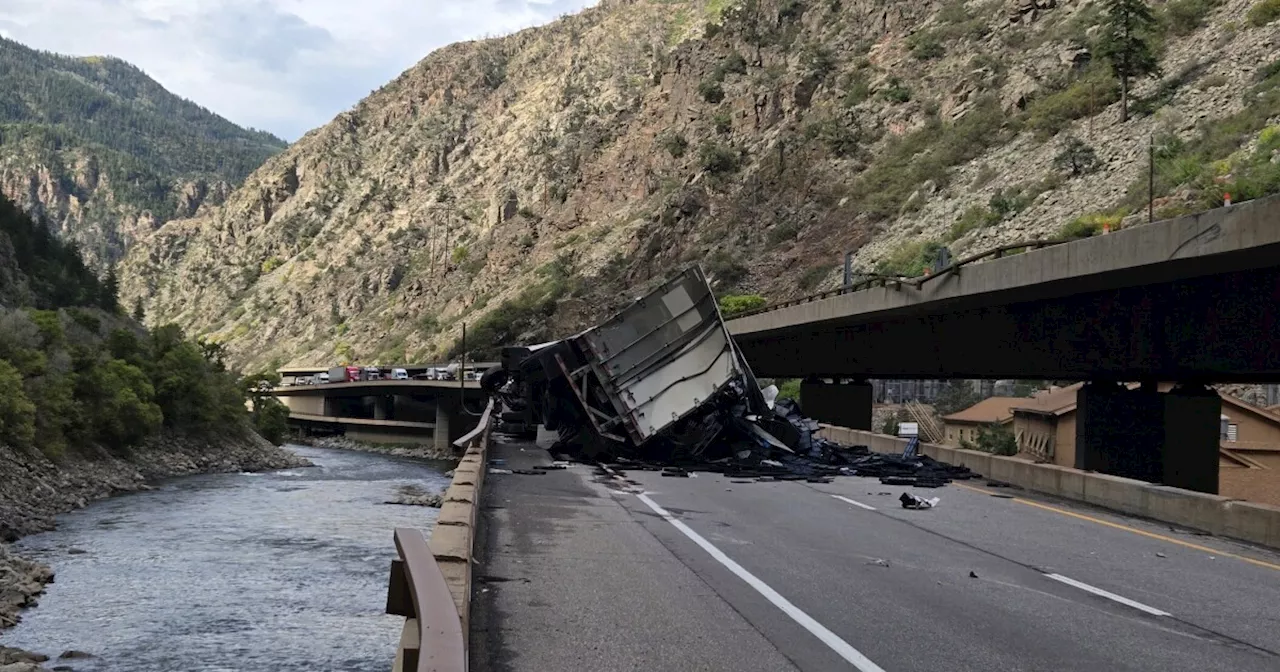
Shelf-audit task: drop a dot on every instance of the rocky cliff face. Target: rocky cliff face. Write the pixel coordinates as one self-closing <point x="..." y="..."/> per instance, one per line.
<point x="530" y="184"/>
<point x="105" y="154"/>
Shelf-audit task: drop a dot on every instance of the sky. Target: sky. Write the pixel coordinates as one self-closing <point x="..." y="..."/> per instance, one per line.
<point x="285" y="66"/>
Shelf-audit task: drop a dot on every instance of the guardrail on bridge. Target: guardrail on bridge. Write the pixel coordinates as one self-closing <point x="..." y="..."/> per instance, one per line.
<point x="430" y="582"/>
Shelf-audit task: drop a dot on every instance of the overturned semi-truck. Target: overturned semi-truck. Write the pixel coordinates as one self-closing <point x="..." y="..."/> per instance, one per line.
<point x="661" y="379"/>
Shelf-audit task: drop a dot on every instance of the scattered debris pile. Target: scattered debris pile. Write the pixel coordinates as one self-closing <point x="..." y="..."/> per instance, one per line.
<point x="662" y="386"/>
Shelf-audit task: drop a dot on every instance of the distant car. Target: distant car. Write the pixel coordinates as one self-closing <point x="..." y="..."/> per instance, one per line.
<point x="399" y="374"/>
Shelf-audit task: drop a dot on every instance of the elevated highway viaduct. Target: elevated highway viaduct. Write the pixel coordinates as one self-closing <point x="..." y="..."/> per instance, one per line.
<point x="1194" y="300"/>
<point x="387" y="411"/>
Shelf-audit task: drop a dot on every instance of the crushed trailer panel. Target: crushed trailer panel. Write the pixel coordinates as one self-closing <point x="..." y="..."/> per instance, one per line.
<point x="662" y="357"/>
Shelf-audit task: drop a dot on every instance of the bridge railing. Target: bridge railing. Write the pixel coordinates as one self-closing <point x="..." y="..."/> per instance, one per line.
<point x="871" y="280"/>
<point x="430" y="583"/>
<point x="432" y="639"/>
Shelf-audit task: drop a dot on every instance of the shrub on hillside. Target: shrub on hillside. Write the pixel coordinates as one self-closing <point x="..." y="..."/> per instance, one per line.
<point x="718" y="159"/>
<point x="1049" y="114"/>
<point x="737" y="304"/>
<point x="1184" y="17"/>
<point x="1076" y="157"/>
<point x="1264" y="12"/>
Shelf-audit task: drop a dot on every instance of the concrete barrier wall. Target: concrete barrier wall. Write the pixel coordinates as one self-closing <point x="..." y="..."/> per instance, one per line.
<point x="453" y="539"/>
<point x="1255" y="523"/>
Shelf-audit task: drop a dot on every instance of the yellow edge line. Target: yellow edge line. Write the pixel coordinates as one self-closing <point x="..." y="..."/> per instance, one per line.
<point x="1126" y="528"/>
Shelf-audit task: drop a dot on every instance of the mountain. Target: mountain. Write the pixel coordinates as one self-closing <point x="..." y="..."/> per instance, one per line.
<point x="530" y="184"/>
<point x="105" y="154"/>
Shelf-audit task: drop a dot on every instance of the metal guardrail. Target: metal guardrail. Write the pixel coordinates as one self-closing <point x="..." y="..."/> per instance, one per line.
<point x="432" y="639"/>
<point x="875" y="280"/>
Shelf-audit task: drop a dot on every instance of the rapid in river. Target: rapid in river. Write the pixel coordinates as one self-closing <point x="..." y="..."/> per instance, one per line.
<point x="276" y="571"/>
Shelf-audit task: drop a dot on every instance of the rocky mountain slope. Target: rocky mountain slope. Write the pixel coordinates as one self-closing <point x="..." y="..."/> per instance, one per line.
<point x="528" y="185"/>
<point x="105" y="154"/>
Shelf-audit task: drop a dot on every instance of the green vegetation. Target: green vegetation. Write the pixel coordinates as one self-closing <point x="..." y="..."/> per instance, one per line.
<point x="1214" y="162"/>
<point x="525" y="317"/>
<point x="993" y="438"/>
<point x="1076" y="157"/>
<point x="1049" y="114"/>
<point x="955" y="396"/>
<point x="460" y="254"/>
<point x="896" y="91"/>
<point x="711" y="91"/>
<point x="1183" y="17"/>
<point x="885" y="188"/>
<point x="788" y="388"/>
<point x="722" y="122"/>
<point x="140" y="135"/>
<point x="724" y="270"/>
<point x="1125" y="43"/>
<point x="271" y="264"/>
<point x="1264" y="12"/>
<point x="925" y="45"/>
<point x="1092" y="224"/>
<point x="910" y="259"/>
<point x="718" y="159"/>
<point x="269" y="416"/>
<point x="675" y="144"/>
<point x="737" y="304"/>
<point x="74" y="374"/>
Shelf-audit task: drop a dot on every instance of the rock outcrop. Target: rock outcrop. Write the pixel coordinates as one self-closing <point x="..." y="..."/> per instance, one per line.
<point x="530" y="184"/>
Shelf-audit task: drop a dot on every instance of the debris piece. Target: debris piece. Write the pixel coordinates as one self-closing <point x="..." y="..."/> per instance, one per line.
<point x="1161" y="555"/>
<point x="878" y="562"/>
<point x="500" y="471"/>
<point x="528" y="472"/>
<point x="972" y="574"/>
<point x="1001" y="495"/>
<point x="910" y="501"/>
<point x="497" y="462"/>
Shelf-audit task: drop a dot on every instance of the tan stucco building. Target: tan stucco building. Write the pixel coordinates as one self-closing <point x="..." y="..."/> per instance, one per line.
<point x="1044" y="427"/>
<point x="964" y="425"/>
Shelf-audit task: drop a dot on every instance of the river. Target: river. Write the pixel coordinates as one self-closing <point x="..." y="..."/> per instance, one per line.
<point x="276" y="571"/>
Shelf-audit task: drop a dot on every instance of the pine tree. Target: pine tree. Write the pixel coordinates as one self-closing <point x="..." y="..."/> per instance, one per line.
<point x="138" y="313"/>
<point x="110" y="297"/>
<point x="1124" y="44"/>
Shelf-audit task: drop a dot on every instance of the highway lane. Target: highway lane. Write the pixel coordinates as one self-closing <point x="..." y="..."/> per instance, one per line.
<point x="831" y="585"/>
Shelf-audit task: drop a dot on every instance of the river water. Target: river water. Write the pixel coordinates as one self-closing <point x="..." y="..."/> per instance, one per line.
<point x="246" y="572"/>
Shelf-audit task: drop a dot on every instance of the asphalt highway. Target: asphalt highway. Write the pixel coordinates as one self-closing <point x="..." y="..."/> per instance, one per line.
<point x="585" y="570"/>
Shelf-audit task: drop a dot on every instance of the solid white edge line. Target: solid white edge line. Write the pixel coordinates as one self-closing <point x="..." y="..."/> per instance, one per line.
<point x="1109" y="595"/>
<point x="831" y="639"/>
<point x="850" y="501"/>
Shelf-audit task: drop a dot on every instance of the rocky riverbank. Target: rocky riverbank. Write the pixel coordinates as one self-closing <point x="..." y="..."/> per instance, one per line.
<point x="34" y="489"/>
<point x="422" y="451"/>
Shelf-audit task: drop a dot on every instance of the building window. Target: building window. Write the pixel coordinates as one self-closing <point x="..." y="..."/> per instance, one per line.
<point x="1233" y="431"/>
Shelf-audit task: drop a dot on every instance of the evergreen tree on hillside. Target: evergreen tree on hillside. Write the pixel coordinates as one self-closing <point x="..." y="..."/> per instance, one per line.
<point x="110" y="297"/>
<point x="1125" y="44"/>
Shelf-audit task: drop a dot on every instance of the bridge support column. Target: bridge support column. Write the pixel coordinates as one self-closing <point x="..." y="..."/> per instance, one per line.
<point x="1169" y="438"/>
<point x="844" y="404"/>
<point x="441" y="432"/>
<point x="382" y="408"/>
<point x="1192" y="436"/>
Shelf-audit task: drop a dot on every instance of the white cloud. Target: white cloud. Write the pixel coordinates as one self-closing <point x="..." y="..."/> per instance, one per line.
<point x="283" y="65"/>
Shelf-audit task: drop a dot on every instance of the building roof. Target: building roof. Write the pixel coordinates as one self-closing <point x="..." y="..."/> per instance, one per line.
<point x="1062" y="400"/>
<point x="1054" y="401"/>
<point x="992" y="409"/>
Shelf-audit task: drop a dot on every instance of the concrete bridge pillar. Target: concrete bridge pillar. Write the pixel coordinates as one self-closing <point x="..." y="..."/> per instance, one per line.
<point x="382" y="408"/>
<point x="1170" y="438"/>
<point x="441" y="432"/>
<point x="1192" y="436"/>
<point x="844" y="404"/>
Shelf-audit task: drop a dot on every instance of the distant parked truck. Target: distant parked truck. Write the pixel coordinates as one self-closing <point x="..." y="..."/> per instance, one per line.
<point x="372" y="373"/>
<point x="343" y="374"/>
